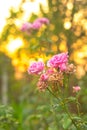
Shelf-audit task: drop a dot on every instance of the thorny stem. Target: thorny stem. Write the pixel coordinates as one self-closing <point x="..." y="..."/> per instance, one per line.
<point x="77" y="106"/>
<point x="53" y="94"/>
<point x="65" y="108"/>
<point x="67" y="111"/>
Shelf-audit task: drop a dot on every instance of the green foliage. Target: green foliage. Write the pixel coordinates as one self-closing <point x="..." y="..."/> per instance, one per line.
<point x="7" y="118"/>
<point x="66" y="122"/>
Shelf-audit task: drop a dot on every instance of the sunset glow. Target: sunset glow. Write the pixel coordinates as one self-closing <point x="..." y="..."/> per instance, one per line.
<point x="28" y="7"/>
<point x="14" y="45"/>
<point x="67" y="25"/>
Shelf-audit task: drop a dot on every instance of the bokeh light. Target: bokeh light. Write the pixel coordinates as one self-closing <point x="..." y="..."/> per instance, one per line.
<point x="14" y="44"/>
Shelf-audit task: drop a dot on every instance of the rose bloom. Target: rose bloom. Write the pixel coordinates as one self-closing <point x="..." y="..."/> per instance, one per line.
<point x="63" y="67"/>
<point x="58" y="60"/>
<point x="42" y="85"/>
<point x="76" y="88"/>
<point x="36" y="67"/>
<point x="26" y="26"/>
<point x="42" y="20"/>
<point x="44" y="77"/>
<point x="36" y="25"/>
<point x="50" y="71"/>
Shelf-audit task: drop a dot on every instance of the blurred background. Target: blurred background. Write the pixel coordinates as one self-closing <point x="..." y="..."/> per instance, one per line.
<point x="67" y="31"/>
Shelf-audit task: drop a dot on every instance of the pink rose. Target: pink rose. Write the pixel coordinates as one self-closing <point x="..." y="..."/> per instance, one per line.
<point x="36" y="25"/>
<point x="76" y="88"/>
<point x="50" y="71"/>
<point x="44" y="77"/>
<point x="57" y="60"/>
<point x="42" y="20"/>
<point x="36" y="68"/>
<point x="63" y="67"/>
<point x="26" y="26"/>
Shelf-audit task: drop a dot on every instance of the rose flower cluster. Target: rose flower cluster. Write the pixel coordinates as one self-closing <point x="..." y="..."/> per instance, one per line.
<point x="35" y="25"/>
<point x="53" y="73"/>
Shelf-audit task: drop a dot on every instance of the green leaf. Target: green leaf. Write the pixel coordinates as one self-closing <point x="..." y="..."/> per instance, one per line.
<point x="71" y="99"/>
<point x="34" y="117"/>
<point x="76" y="118"/>
<point x="66" y="122"/>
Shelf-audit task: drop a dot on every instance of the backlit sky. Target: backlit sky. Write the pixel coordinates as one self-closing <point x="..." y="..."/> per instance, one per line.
<point x="29" y="7"/>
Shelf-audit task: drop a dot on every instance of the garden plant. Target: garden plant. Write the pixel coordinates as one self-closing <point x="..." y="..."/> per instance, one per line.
<point x="43" y="67"/>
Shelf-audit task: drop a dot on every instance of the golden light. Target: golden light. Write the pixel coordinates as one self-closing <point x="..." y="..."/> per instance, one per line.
<point x="28" y="7"/>
<point x="18" y="22"/>
<point x="63" y="46"/>
<point x="80" y="54"/>
<point x="79" y="19"/>
<point x="67" y="25"/>
<point x="13" y="45"/>
<point x="54" y="38"/>
<point x="4" y="10"/>
<point x="84" y="23"/>
<point x="70" y="5"/>
<point x="78" y="16"/>
<point x="80" y="71"/>
<point x="33" y="7"/>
